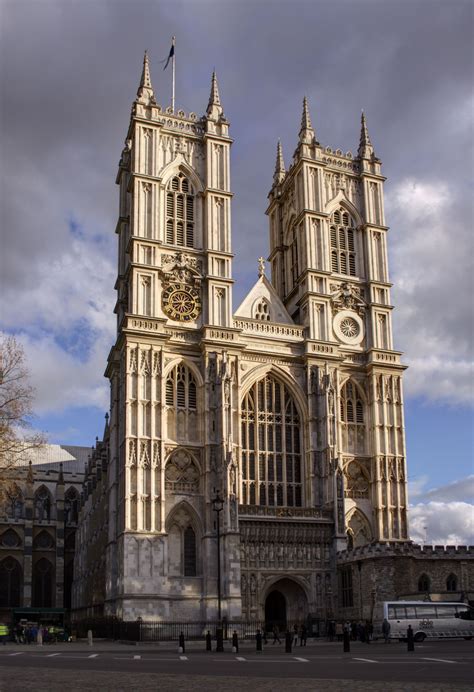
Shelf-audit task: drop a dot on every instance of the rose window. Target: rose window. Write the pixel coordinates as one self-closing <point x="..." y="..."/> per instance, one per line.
<point x="349" y="327"/>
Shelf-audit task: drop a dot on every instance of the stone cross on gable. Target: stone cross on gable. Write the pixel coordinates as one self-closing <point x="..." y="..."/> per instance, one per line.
<point x="261" y="266"/>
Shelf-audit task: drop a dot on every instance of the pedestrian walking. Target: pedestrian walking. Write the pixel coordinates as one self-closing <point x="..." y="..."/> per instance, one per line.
<point x="386" y="627"/>
<point x="208" y="641"/>
<point x="295" y="635"/>
<point x="258" y="640"/>
<point x="276" y="635"/>
<point x="410" y="639"/>
<point x="303" y="635"/>
<point x="181" y="643"/>
<point x="339" y="631"/>
<point x="288" y="641"/>
<point x="235" y="643"/>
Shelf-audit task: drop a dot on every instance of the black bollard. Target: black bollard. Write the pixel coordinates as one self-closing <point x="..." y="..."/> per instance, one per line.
<point x="208" y="641"/>
<point x="258" y="639"/>
<point x="410" y="639"/>
<point x="235" y="642"/>
<point x="347" y="641"/>
<point x="288" y="641"/>
<point x="181" y="642"/>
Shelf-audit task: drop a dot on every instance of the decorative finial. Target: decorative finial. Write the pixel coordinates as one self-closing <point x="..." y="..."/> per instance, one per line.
<point x="366" y="149"/>
<point x="261" y="266"/>
<point x="306" y="131"/>
<point x="214" y="107"/>
<point x="29" y="475"/>
<point x="280" y="170"/>
<point x="61" y="474"/>
<point x="145" y="90"/>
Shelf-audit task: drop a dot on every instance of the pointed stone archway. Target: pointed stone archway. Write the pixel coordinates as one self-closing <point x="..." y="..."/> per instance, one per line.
<point x="286" y="603"/>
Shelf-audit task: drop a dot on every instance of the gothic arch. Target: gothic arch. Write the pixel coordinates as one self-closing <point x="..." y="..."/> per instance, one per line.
<point x="189" y="364"/>
<point x="179" y="165"/>
<point x="340" y="200"/>
<point x="358" y="386"/>
<point x="359" y="525"/>
<point x="184" y="530"/>
<point x="272" y="581"/>
<point x="187" y="508"/>
<point x="259" y="373"/>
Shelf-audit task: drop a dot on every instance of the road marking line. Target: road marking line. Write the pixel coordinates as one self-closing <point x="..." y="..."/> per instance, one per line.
<point x="183" y="658"/>
<point x="51" y="655"/>
<point x="17" y="653"/>
<point x="93" y="656"/>
<point x="367" y="660"/>
<point x="440" y="660"/>
<point x="240" y="658"/>
<point x="304" y="660"/>
<point x="136" y="657"/>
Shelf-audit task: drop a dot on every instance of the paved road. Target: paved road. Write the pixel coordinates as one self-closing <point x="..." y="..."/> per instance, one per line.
<point x="109" y="666"/>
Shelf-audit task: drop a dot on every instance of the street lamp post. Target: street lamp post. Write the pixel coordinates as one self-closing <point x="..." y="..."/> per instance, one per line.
<point x="218" y="506"/>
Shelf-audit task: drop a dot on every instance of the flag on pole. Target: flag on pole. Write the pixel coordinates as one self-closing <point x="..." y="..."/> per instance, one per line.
<point x="170" y="55"/>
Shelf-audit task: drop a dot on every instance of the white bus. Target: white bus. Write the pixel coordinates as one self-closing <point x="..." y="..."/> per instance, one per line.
<point x="428" y="619"/>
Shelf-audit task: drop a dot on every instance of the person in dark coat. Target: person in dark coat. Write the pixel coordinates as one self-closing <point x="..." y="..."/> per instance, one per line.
<point x="276" y="635"/>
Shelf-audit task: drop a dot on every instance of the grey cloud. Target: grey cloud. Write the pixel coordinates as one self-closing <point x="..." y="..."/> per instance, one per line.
<point x="70" y="71"/>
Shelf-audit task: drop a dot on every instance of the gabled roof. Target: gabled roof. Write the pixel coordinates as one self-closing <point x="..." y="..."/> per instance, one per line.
<point x="263" y="290"/>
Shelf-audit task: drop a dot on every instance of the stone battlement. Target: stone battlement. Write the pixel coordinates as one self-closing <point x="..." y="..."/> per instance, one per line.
<point x="391" y="549"/>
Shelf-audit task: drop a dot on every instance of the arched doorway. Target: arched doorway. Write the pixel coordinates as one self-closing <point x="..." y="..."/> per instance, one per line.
<point x="275" y="611"/>
<point x="286" y="604"/>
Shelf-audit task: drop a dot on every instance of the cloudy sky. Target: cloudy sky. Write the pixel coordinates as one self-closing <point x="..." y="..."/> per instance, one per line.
<point x="69" y="73"/>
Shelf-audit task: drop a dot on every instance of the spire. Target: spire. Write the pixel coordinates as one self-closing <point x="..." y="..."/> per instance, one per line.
<point x="306" y="130"/>
<point x="366" y="149"/>
<point x="214" y="108"/>
<point x="145" y="90"/>
<point x="280" y="170"/>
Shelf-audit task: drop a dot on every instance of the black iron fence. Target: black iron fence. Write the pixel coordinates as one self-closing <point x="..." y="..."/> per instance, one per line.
<point x="156" y="631"/>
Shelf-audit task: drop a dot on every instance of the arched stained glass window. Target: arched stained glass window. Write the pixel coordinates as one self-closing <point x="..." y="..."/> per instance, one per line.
<point x="11" y="583"/>
<point x="271" y="448"/>
<point x="42" y="584"/>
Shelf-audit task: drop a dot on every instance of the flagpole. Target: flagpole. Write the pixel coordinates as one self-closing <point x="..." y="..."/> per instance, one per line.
<point x="173" y="78"/>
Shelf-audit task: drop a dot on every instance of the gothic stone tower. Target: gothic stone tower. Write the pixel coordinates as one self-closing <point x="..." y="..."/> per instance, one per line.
<point x="329" y="265"/>
<point x="291" y="408"/>
<point x="172" y="403"/>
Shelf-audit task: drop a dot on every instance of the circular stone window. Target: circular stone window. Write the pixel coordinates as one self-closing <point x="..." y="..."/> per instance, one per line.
<point x="348" y="327"/>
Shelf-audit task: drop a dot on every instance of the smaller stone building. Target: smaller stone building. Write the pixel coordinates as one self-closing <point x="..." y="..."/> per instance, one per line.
<point x="38" y="529"/>
<point x="370" y="574"/>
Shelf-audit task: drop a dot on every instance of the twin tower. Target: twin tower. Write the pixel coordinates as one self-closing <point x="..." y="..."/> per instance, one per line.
<point x="289" y="408"/>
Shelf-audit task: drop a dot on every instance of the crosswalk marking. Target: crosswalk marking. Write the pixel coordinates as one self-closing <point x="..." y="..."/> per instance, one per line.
<point x="51" y="655"/>
<point x="136" y="657"/>
<point x="440" y="660"/>
<point x="367" y="660"/>
<point x="240" y="658"/>
<point x="304" y="660"/>
<point x="93" y="656"/>
<point x="183" y="658"/>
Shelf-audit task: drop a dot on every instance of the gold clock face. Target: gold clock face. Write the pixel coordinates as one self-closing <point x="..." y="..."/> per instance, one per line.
<point x="181" y="303"/>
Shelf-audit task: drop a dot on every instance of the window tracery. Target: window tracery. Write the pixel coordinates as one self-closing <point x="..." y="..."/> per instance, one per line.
<point x="182" y="474"/>
<point x="262" y="311"/>
<point x="271" y="453"/>
<point x="180" y="212"/>
<point x="11" y="583"/>
<point x="343" y="250"/>
<point x="43" y="504"/>
<point x="181" y="391"/>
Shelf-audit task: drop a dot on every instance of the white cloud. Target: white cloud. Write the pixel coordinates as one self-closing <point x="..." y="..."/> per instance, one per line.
<point x="431" y="259"/>
<point x="442" y="523"/>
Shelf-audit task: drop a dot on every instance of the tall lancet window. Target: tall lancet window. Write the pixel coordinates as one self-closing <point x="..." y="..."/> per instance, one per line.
<point x="294" y="263"/>
<point x="352" y="419"/>
<point x="180" y="212"/>
<point x="343" y="243"/>
<point x="271" y="448"/>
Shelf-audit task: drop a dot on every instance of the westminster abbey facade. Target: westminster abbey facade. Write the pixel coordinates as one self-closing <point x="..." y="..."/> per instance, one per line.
<point x="290" y="408"/>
